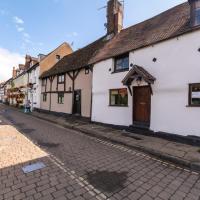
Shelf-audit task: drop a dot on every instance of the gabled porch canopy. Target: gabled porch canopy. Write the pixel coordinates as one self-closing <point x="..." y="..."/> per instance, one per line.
<point x="136" y="73"/>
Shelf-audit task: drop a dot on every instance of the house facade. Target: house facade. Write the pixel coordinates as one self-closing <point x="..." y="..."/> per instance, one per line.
<point x="33" y="86"/>
<point x="17" y="93"/>
<point x="147" y="75"/>
<point x="67" y="87"/>
<point x="2" y="92"/>
<point x="45" y="62"/>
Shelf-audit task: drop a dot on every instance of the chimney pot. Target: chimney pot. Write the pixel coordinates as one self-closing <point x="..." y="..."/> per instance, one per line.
<point x="115" y="14"/>
<point x="14" y="74"/>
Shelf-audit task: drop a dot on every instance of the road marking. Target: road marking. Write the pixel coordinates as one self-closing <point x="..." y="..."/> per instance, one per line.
<point x="147" y="157"/>
<point x="80" y="180"/>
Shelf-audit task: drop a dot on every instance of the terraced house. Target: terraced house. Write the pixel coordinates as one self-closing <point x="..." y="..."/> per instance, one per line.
<point x="45" y="62"/>
<point x="147" y="75"/>
<point x="67" y="87"/>
<point x="18" y="92"/>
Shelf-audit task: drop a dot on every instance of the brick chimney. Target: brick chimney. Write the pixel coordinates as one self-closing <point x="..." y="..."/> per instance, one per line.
<point x="194" y="12"/>
<point x="14" y="74"/>
<point x="115" y="15"/>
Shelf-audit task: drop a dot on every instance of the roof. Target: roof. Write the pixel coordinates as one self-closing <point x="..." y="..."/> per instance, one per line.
<point x="33" y="67"/>
<point x="138" y="71"/>
<point x="76" y="60"/>
<point x="64" y="43"/>
<point x="169" y="24"/>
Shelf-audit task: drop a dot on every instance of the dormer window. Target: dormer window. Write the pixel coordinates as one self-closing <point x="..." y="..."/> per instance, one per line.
<point x="197" y="16"/>
<point x="58" y="57"/>
<point x="121" y="63"/>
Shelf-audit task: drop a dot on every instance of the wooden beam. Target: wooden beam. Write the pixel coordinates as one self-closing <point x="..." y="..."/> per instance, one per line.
<point x="129" y="88"/>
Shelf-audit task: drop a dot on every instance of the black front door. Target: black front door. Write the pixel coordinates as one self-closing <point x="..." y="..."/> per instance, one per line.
<point x="77" y="102"/>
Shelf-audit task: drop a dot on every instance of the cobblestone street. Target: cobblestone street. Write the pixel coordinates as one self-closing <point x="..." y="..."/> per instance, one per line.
<point x="81" y="167"/>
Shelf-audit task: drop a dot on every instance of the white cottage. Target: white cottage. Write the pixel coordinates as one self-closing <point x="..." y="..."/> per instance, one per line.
<point x="148" y="75"/>
<point x="34" y="86"/>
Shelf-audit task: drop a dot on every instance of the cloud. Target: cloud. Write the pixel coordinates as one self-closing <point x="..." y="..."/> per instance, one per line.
<point x="8" y="60"/>
<point x="26" y="35"/>
<point x="73" y="34"/>
<point x="20" y="29"/>
<point x="18" y="20"/>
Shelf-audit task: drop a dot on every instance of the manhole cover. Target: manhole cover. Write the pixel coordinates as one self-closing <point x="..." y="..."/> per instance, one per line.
<point x="48" y="144"/>
<point x="33" y="167"/>
<point x="106" y="181"/>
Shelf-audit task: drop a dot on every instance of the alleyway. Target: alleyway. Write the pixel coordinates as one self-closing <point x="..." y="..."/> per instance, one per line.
<point x="81" y="167"/>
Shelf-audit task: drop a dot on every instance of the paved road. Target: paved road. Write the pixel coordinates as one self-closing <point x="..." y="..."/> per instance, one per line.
<point x="94" y="169"/>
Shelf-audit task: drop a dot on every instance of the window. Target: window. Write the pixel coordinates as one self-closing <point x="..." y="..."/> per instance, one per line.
<point x="119" y="97"/>
<point x="197" y="16"/>
<point x="61" y="78"/>
<point x="57" y="57"/>
<point x="121" y="63"/>
<point x="87" y="70"/>
<point x="60" y="98"/>
<point x="43" y="82"/>
<point x="194" y="94"/>
<point x="44" y="97"/>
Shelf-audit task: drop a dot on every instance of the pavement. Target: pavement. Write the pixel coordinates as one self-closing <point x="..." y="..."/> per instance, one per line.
<point x="82" y="167"/>
<point x="177" y="153"/>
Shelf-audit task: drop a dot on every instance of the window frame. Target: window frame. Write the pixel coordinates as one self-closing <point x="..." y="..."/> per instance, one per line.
<point x="62" y="81"/>
<point x="62" y="98"/>
<point x="117" y="105"/>
<point x="87" y="70"/>
<point x="197" y="16"/>
<point x="190" y="95"/>
<point x="118" y="58"/>
<point x="58" y="57"/>
<point x="44" y="97"/>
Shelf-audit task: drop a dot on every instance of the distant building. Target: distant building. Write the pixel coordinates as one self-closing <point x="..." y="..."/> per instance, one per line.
<point x="45" y="62"/>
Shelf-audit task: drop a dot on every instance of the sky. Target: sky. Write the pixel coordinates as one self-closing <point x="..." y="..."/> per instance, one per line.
<point x="39" y="26"/>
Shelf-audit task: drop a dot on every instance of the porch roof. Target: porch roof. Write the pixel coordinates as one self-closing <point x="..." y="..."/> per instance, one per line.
<point x="136" y="72"/>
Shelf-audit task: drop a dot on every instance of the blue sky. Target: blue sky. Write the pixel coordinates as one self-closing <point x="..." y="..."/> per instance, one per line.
<point x="39" y="26"/>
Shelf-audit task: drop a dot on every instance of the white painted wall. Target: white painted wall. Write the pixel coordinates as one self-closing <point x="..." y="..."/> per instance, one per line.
<point x="178" y="64"/>
<point x="1" y="94"/>
<point x="34" y="94"/>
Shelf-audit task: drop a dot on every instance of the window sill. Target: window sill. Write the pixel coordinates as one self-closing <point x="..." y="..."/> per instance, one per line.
<point x="61" y="83"/>
<point x="193" y="106"/>
<point x="118" y="106"/>
<point x="119" y="71"/>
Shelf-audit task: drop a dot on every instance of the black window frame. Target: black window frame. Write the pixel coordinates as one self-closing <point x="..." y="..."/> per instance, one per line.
<point x="44" y="97"/>
<point x="58" y="57"/>
<point x="61" y="96"/>
<point x="87" y="70"/>
<point x="124" y="56"/>
<point x="62" y="81"/>
<point x="191" y="85"/>
<point x="197" y="16"/>
<point x="117" y="105"/>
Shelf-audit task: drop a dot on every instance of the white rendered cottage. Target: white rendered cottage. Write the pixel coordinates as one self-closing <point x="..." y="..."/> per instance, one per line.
<point x="148" y="75"/>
